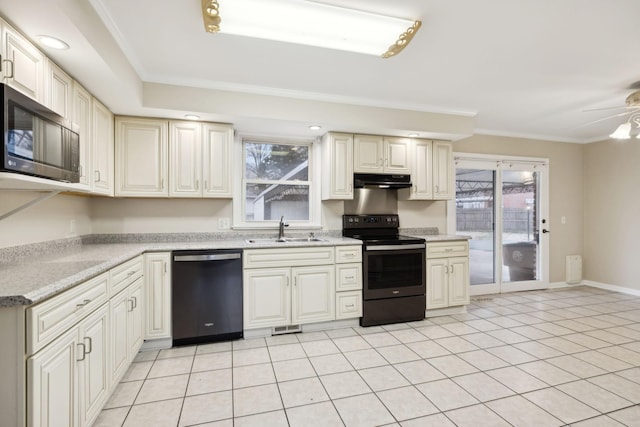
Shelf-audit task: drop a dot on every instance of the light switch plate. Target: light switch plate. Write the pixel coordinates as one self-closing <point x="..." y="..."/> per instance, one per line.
<point x="224" y="224"/>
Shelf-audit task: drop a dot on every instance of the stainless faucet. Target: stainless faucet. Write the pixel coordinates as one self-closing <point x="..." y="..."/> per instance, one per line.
<point x="281" y="227"/>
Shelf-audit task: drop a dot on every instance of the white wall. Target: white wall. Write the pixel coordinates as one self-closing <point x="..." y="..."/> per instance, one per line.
<point x="48" y="220"/>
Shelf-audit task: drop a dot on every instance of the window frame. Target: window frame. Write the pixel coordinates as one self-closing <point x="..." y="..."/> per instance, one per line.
<point x="239" y="186"/>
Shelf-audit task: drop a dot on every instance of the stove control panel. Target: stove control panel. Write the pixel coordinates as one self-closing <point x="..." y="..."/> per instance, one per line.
<point x="370" y="221"/>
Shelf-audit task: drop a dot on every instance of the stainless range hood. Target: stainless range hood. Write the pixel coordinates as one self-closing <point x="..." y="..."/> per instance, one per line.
<point x="374" y="180"/>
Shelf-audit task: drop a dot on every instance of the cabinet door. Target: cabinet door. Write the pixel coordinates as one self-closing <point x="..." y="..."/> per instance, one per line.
<point x="422" y="171"/>
<point x="267" y="298"/>
<point x="93" y="378"/>
<point x="443" y="171"/>
<point x="52" y="394"/>
<point x="396" y="159"/>
<point x="337" y="166"/>
<point x="313" y="294"/>
<point x="217" y="142"/>
<point x="368" y="153"/>
<point x="59" y="90"/>
<point x="157" y="277"/>
<point x="437" y="283"/>
<point x="102" y="149"/>
<point x="459" y="281"/>
<point x="185" y="159"/>
<point x="83" y="118"/>
<point x="118" y="354"/>
<point x="24" y="66"/>
<point x="135" y="320"/>
<point x="141" y="157"/>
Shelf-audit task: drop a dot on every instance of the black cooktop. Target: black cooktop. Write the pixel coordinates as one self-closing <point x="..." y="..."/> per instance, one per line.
<point x="376" y="230"/>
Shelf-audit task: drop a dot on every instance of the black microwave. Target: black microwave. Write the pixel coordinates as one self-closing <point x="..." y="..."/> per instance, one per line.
<point x="37" y="141"/>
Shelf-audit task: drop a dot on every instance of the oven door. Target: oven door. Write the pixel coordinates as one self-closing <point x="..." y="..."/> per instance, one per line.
<point x="394" y="271"/>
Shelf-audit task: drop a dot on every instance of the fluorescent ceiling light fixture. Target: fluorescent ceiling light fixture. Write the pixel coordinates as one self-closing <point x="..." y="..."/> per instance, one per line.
<point x="315" y="127"/>
<point x="53" y="43"/>
<point x="413" y="135"/>
<point x="310" y="23"/>
<point x="191" y="117"/>
<point x="624" y="130"/>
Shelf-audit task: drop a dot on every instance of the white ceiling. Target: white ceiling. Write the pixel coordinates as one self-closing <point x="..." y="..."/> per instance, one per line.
<point x="520" y="68"/>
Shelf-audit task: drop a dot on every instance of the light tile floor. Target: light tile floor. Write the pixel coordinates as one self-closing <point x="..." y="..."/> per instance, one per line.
<point x="540" y="358"/>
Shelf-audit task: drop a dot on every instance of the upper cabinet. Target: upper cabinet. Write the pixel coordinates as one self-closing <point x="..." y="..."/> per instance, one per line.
<point x="381" y="154"/>
<point x="102" y="149"/>
<point x="59" y="90"/>
<point x="82" y="114"/>
<point x="337" y="166"/>
<point x="199" y="159"/>
<point x="22" y="66"/>
<point x="141" y="150"/>
<point x="431" y="171"/>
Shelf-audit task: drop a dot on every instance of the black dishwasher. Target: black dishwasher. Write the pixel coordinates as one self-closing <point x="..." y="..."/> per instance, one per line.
<point x="206" y="300"/>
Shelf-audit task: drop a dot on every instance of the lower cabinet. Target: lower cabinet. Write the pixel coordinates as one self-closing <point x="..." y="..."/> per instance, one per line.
<point x="126" y="328"/>
<point x="447" y="274"/>
<point x="157" y="284"/>
<point x="68" y="380"/>
<point x="348" y="282"/>
<point x="285" y="296"/>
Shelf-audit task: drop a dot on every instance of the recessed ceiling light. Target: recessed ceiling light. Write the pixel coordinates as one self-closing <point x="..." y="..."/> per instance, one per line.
<point x="191" y="117"/>
<point x="315" y="127"/>
<point x="413" y="135"/>
<point x="53" y="42"/>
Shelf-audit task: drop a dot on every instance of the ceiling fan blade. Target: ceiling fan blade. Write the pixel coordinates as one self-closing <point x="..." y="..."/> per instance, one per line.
<point x="627" y="107"/>
<point x="607" y="118"/>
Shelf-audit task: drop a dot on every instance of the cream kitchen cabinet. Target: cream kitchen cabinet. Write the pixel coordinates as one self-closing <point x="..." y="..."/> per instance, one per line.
<point x="337" y="166"/>
<point x="200" y="159"/>
<point x="68" y="378"/>
<point x="432" y="171"/>
<point x="381" y="154"/>
<point x="157" y="279"/>
<point x="59" y="90"/>
<point x="102" y="148"/>
<point x="443" y="171"/>
<point x="287" y="286"/>
<point x="23" y="65"/>
<point x="141" y="153"/>
<point x="447" y="274"/>
<point x="348" y="282"/>
<point x="82" y="116"/>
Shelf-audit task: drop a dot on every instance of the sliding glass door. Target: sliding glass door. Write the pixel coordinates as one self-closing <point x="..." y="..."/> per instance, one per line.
<point x="502" y="204"/>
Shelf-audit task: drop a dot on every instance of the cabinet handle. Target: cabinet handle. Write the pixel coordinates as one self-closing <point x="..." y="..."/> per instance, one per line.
<point x="350" y="305"/>
<point x="448" y="249"/>
<point x="90" y="344"/>
<point x="206" y="185"/>
<point x="96" y="176"/>
<point x="350" y="188"/>
<point x="349" y="255"/>
<point x="81" y="170"/>
<point x="287" y="281"/>
<point x="11" y="75"/>
<point x="452" y="269"/>
<point x="162" y="183"/>
<point x="84" y="351"/>
<point x="350" y="277"/>
<point x="437" y="188"/>
<point x="135" y="302"/>
<point x="83" y="303"/>
<point x="131" y="273"/>
<point x="197" y="184"/>
<point x="165" y="267"/>
<point x="131" y="307"/>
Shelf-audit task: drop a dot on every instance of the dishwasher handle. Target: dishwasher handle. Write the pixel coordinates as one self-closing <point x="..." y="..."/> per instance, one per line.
<point x="208" y="257"/>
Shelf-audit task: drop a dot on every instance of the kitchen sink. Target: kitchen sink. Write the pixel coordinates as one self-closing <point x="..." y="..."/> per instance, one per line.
<point x="288" y="240"/>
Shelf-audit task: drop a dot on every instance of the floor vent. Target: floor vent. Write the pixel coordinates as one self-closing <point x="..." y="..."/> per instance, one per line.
<point x="573" y="269"/>
<point x="289" y="329"/>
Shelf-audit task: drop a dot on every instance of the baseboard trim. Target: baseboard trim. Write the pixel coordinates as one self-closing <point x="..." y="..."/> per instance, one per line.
<point x="564" y="285"/>
<point x="614" y="288"/>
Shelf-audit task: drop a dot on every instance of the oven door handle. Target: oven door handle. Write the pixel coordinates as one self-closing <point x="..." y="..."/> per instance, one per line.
<point x="395" y="247"/>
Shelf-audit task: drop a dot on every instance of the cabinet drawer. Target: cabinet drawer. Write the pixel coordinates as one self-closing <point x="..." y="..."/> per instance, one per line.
<point x="348" y="277"/>
<point x="348" y="254"/>
<point x="348" y="305"/>
<point x="288" y="257"/>
<point x="125" y="274"/>
<point x="447" y="249"/>
<point x="50" y="318"/>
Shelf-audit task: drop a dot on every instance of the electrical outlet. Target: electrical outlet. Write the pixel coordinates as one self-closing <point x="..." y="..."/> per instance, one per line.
<point x="72" y="226"/>
<point x="563" y="220"/>
<point x="224" y="224"/>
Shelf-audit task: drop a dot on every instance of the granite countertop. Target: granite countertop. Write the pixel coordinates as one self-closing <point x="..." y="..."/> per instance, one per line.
<point x="34" y="277"/>
<point x="31" y="279"/>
